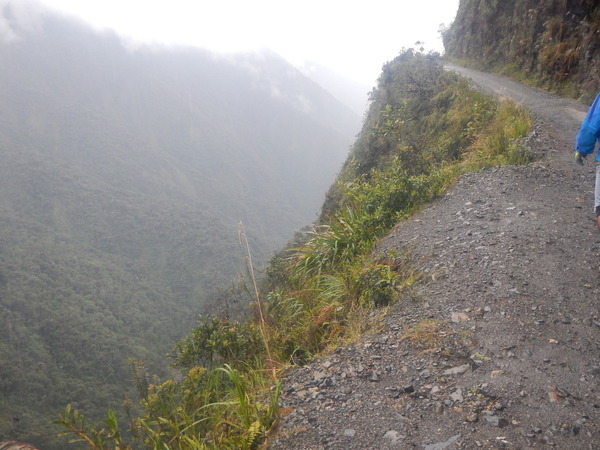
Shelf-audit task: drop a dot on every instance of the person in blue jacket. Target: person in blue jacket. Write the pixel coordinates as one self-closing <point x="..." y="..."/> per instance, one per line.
<point x="585" y="144"/>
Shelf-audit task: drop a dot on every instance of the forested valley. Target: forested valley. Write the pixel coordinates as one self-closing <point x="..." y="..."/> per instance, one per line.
<point x="125" y="172"/>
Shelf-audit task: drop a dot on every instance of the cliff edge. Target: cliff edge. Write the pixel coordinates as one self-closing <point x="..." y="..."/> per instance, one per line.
<point x="499" y="345"/>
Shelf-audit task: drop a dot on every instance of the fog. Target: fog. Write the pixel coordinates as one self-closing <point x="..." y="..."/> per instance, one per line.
<point x="352" y="38"/>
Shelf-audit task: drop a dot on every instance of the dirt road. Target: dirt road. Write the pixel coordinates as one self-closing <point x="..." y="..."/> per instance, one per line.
<point x="500" y="346"/>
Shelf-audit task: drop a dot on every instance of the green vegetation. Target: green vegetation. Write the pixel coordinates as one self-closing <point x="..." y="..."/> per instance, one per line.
<point x="424" y="128"/>
<point x="549" y="44"/>
<point x="124" y="174"/>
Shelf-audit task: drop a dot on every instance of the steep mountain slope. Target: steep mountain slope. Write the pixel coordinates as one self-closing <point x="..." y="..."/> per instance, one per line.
<point x="124" y="174"/>
<point x="350" y="92"/>
<point x="552" y="41"/>
<point x="498" y="347"/>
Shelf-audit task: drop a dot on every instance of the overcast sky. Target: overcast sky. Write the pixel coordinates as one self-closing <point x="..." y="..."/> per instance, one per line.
<point x="354" y="38"/>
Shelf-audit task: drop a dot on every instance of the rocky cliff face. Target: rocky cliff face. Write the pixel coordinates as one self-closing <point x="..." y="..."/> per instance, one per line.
<point x="554" y="41"/>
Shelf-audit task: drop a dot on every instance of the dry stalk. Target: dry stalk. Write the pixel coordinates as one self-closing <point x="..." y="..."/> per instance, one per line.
<point x="262" y="323"/>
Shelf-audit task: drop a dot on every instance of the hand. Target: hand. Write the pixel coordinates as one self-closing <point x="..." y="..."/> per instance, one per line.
<point x="579" y="158"/>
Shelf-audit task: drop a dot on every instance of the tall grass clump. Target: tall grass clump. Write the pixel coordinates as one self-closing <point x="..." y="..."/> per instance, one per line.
<point x="425" y="127"/>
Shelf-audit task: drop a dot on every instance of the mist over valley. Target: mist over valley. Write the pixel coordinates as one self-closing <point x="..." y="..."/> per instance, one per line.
<point x="125" y="172"/>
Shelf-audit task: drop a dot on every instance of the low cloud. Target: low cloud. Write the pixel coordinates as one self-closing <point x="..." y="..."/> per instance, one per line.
<point x="18" y="17"/>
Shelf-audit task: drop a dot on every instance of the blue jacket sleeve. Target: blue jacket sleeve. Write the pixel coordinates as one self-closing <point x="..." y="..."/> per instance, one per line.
<point x="590" y="129"/>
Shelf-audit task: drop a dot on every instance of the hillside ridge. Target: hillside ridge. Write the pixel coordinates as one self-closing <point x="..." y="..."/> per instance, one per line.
<point x="125" y="172"/>
<point x="498" y="346"/>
